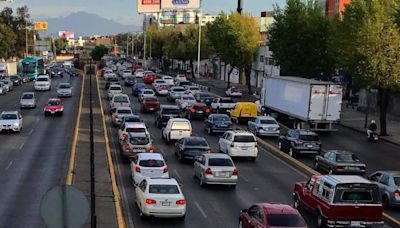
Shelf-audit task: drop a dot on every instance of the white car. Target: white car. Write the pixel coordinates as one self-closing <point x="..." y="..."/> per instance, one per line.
<point x="119" y="113"/>
<point x="160" y="197"/>
<point x="239" y="144"/>
<point x="114" y="89"/>
<point x="184" y="101"/>
<point x="10" y="121"/>
<point x="126" y="73"/>
<point x="28" y="100"/>
<point x="119" y="100"/>
<point x="109" y="75"/>
<point x="139" y="74"/>
<point x="192" y="90"/>
<point x="180" y="77"/>
<point x="150" y="165"/>
<point x="176" y="129"/>
<point x="158" y="82"/>
<point x="3" y="88"/>
<point x="233" y="92"/>
<point x="168" y="79"/>
<point x="64" y="90"/>
<point x="146" y="93"/>
<point x="162" y="89"/>
<point x="43" y="82"/>
<point x="132" y="128"/>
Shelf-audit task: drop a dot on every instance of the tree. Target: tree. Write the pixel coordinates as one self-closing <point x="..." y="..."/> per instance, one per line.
<point x="61" y="43"/>
<point x="7" y="41"/>
<point x="299" y="39"/>
<point x="236" y="39"/>
<point x="98" y="52"/>
<point x="369" y="47"/>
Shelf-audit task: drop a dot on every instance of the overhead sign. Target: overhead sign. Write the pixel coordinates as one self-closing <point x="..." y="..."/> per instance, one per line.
<point x="148" y="6"/>
<point x="66" y="34"/>
<point x="180" y="4"/>
<point x="40" y="25"/>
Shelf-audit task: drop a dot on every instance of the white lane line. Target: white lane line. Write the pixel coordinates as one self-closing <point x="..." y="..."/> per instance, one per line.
<point x="9" y="165"/>
<point x="200" y="209"/>
<point x="37" y="120"/>
<point x="30" y="132"/>
<point x="22" y="145"/>
<point x="244" y="178"/>
<point x="177" y="175"/>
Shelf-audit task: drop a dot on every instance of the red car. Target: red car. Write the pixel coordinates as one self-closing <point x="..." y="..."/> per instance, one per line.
<point x="263" y="215"/>
<point x="150" y="104"/>
<point x="149" y="78"/>
<point x="54" y="106"/>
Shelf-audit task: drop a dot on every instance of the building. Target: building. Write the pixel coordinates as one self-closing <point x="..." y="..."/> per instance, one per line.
<point x="264" y="66"/>
<point x="177" y="17"/>
<point x="331" y="7"/>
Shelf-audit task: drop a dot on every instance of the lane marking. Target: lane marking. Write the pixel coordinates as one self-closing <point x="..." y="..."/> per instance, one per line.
<point x="117" y="194"/>
<point x="70" y="175"/>
<point x="200" y="209"/>
<point x="30" y="132"/>
<point x="22" y="145"/>
<point x="177" y="175"/>
<point x="9" y="165"/>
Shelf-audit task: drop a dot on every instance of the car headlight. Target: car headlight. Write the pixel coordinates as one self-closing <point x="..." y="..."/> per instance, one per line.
<point x="16" y="124"/>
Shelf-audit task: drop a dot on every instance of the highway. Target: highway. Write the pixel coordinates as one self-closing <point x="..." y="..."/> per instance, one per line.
<point x="34" y="160"/>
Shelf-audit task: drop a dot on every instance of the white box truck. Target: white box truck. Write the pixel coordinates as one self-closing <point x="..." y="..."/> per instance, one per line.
<point x="311" y="104"/>
<point x="8" y="68"/>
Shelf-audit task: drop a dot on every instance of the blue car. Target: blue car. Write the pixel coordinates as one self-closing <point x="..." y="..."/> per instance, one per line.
<point x="137" y="89"/>
<point x="217" y="123"/>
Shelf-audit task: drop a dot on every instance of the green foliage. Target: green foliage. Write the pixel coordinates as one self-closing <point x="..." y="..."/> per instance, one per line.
<point x="60" y="43"/>
<point x="7" y="41"/>
<point x="98" y="52"/>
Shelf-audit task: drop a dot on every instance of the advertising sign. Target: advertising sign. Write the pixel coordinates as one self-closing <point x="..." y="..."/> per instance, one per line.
<point x="180" y="4"/>
<point x="66" y="34"/>
<point x="40" y="25"/>
<point x="148" y="6"/>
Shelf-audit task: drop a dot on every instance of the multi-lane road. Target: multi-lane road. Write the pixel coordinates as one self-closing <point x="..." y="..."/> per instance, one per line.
<point x="34" y="160"/>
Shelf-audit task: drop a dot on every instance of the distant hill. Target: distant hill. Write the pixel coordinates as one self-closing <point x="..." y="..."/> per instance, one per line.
<point x="86" y="24"/>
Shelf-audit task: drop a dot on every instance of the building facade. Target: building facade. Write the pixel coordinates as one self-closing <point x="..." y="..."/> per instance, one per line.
<point x="331" y="7"/>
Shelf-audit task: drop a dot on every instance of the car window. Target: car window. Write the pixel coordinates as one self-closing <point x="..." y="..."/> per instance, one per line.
<point x="64" y="86"/>
<point x="332" y="157"/>
<point x="384" y="179"/>
<point x="131" y="119"/>
<point x="179" y="90"/>
<point x="137" y="140"/>
<point x="356" y="196"/>
<point x="285" y="220"/>
<point x="124" y="111"/>
<point x="220" y="162"/>
<point x="268" y="122"/>
<point x="221" y="118"/>
<point x="150" y="99"/>
<point x="309" y="137"/>
<point x="135" y="129"/>
<point x="143" y="185"/>
<point x="163" y="189"/>
<point x="196" y="142"/>
<point x="115" y="88"/>
<point x="252" y="211"/>
<point x="396" y="181"/>
<point x="54" y="102"/>
<point x="27" y="96"/>
<point x="180" y="125"/>
<point x="168" y="111"/>
<point x="244" y="138"/>
<point x="346" y="158"/>
<point x="121" y="99"/>
<point x="41" y="79"/>
<point x="327" y="155"/>
<point x="375" y="177"/>
<point x="147" y="92"/>
<point x="151" y="163"/>
<point x="9" y="116"/>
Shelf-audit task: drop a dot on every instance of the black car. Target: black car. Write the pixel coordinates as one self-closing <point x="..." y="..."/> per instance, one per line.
<point x="204" y="98"/>
<point x="110" y="80"/>
<point x="129" y="81"/>
<point x="217" y="123"/>
<point x="56" y="72"/>
<point x="299" y="142"/>
<point x="16" y="80"/>
<point x="165" y="113"/>
<point x="340" y="162"/>
<point x="197" y="110"/>
<point x="191" y="147"/>
<point x="72" y="72"/>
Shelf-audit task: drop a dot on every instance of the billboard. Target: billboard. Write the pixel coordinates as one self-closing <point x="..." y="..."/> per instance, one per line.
<point x="40" y="25"/>
<point x="148" y="6"/>
<point x="66" y="34"/>
<point x="180" y="4"/>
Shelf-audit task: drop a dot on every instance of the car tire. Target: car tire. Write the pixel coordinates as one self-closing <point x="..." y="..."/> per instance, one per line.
<point x="296" y="202"/>
<point x="280" y="146"/>
<point x="316" y="166"/>
<point x="291" y="152"/>
<point x="385" y="202"/>
<point x="321" y="222"/>
<point x="209" y="131"/>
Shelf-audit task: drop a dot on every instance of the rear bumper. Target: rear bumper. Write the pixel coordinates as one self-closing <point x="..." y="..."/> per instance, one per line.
<point x="242" y="153"/>
<point x="164" y="212"/>
<point x="268" y="133"/>
<point x="209" y="179"/>
<point x="221" y="129"/>
<point x="331" y="223"/>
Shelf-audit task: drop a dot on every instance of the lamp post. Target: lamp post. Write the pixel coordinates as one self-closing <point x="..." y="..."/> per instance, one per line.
<point x="199" y="43"/>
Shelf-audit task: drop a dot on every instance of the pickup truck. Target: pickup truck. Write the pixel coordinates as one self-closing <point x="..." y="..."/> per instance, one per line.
<point x="222" y="104"/>
<point x="340" y="201"/>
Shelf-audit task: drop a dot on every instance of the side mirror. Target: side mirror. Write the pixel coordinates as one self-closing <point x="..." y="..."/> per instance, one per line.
<point x="20" y="116"/>
<point x="180" y="185"/>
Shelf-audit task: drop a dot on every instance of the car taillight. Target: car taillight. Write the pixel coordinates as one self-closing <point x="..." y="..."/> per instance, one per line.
<point x="193" y="110"/>
<point x="208" y="110"/>
<point x="340" y="167"/>
<point x="127" y="147"/>
<point x="397" y="193"/>
<point x="208" y="171"/>
<point x="209" y="150"/>
<point x="165" y="169"/>
<point x="255" y="144"/>
<point x="150" y="201"/>
<point x="182" y="150"/>
<point x="235" y="172"/>
<point x="298" y="141"/>
<point x="151" y="147"/>
<point x="181" y="202"/>
<point x="191" y="133"/>
<point x="137" y="169"/>
<point x="364" y="167"/>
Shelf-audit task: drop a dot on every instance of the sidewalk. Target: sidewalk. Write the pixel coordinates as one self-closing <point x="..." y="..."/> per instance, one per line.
<point x="350" y="118"/>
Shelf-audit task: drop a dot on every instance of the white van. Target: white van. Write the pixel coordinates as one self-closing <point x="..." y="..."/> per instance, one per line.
<point x="176" y="129"/>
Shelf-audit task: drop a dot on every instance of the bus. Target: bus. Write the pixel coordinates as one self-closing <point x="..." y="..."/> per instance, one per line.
<point x="33" y="66"/>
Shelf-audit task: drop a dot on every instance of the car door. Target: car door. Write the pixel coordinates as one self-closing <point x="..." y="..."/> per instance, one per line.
<point x="199" y="165"/>
<point x="207" y="122"/>
<point x="384" y="184"/>
<point x="140" y="193"/>
<point x="287" y="139"/>
<point x="247" y="217"/>
<point x="223" y="141"/>
<point x="323" y="160"/>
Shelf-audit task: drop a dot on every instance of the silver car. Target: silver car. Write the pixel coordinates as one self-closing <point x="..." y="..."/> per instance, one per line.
<point x="215" y="168"/>
<point x="8" y="84"/>
<point x="389" y="187"/>
<point x="3" y="88"/>
<point x="28" y="100"/>
<point x="64" y="90"/>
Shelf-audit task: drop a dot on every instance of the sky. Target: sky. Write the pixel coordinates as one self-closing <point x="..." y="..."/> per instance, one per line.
<point x="124" y="11"/>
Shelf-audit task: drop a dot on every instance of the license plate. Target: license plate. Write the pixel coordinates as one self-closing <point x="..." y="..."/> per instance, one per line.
<point x="151" y="109"/>
<point x="355" y="223"/>
<point x="352" y="168"/>
<point x="52" y="112"/>
<point x="165" y="203"/>
<point x="199" y="111"/>
<point x="309" y="146"/>
<point x="244" y="147"/>
<point x="222" y="174"/>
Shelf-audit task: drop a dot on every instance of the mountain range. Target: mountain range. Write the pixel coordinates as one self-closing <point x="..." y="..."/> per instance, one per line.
<point x="86" y="24"/>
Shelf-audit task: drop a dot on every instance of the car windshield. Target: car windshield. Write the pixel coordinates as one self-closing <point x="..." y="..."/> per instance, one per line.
<point x="147" y="92"/>
<point x="151" y="163"/>
<point x="244" y="138"/>
<point x="54" y="102"/>
<point x="124" y="111"/>
<point x="132" y="119"/>
<point x="396" y="181"/>
<point x="346" y="158"/>
<point x="138" y="140"/>
<point x="196" y="142"/>
<point x="13" y="77"/>
<point x="163" y="189"/>
<point x="136" y="130"/>
<point x="220" y="162"/>
<point x="221" y="118"/>
<point x="150" y="99"/>
<point x="178" y="90"/>
<point x="42" y="79"/>
<point x="188" y="98"/>
<point x="64" y="86"/>
<point x="115" y="88"/>
<point x="356" y="196"/>
<point x="9" y="117"/>
<point x="140" y="86"/>
<point x="130" y="78"/>
<point x="285" y="220"/>
<point x="309" y="137"/>
<point x="27" y="96"/>
<point x="159" y="81"/>
<point x="170" y="111"/>
<point x="179" y="125"/>
<point x="227" y="100"/>
<point x="268" y="122"/>
<point x="121" y="99"/>
<point x="113" y="79"/>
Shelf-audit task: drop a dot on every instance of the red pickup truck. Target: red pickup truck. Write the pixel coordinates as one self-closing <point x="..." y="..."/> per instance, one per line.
<point x="340" y="201"/>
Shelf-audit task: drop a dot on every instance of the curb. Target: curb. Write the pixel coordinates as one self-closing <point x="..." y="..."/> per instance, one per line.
<point x="363" y="132"/>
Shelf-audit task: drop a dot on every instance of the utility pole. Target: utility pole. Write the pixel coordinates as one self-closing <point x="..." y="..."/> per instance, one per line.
<point x="26" y="38"/>
<point x="199" y="44"/>
<point x="239" y="8"/>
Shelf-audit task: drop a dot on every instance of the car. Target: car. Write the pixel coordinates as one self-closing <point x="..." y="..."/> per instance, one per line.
<point x="119" y="113"/>
<point x="176" y="129"/>
<point x="183" y="84"/>
<point x="180" y="77"/>
<point x="339" y="162"/>
<point x="119" y="100"/>
<point x="28" y="100"/>
<point x="43" y="82"/>
<point x="130" y="119"/>
<point x="72" y="72"/>
<point x="126" y="73"/>
<point x="148" y="165"/>
<point x="56" y="72"/>
<point x="140" y="74"/>
<point x="54" y="106"/>
<point x="8" y="84"/>
<point x="150" y="104"/>
<point x="168" y="79"/>
<point x="203" y="98"/>
<point x="266" y="215"/>
<point x="162" y="89"/>
<point x="188" y="148"/>
<point x="24" y="78"/>
<point x="244" y="111"/>
<point x="109" y="75"/>
<point x="157" y="82"/>
<point x="111" y="80"/>
<point x="133" y="143"/>
<point x="160" y="197"/>
<point x="185" y="100"/>
<point x="10" y="121"/>
<point x="196" y="110"/>
<point x="222" y="105"/>
<point x="174" y="93"/>
<point x="297" y="141"/>
<point x="135" y="128"/>
<point x="64" y="90"/>
<point x="129" y="81"/>
<point x="114" y="89"/>
<point x="3" y="88"/>
<point x="16" y="80"/>
<point x="389" y="187"/>
<point x="137" y="89"/>
<point x="264" y="126"/>
<point x="146" y="93"/>
<point x="238" y="143"/>
<point x="233" y="92"/>
<point x="191" y="90"/>
<point x="166" y="113"/>
<point x="217" y="123"/>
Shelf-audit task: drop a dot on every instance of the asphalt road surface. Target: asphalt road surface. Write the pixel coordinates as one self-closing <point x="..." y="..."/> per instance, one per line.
<point x="34" y="160"/>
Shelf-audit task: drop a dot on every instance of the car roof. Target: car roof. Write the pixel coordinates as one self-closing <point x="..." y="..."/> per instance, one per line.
<point x="166" y="76"/>
<point x="179" y="120"/>
<point x="345" y="179"/>
<point x="123" y="108"/>
<point x="177" y="87"/>
<point x="278" y="208"/>
<point x="115" y="85"/>
<point x="218" y="155"/>
<point x="194" y="137"/>
<point x="390" y="172"/>
<point x="136" y="124"/>
<point x="242" y="132"/>
<point x="265" y="117"/>
<point x="132" y="116"/>
<point x="340" y="151"/>
<point x="148" y="156"/>
<point x="219" y="115"/>
<point x="168" y="181"/>
<point x="33" y="93"/>
<point x="54" y="99"/>
<point x="9" y="112"/>
<point x="169" y="106"/>
<point x="64" y="83"/>
<point x="306" y="132"/>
